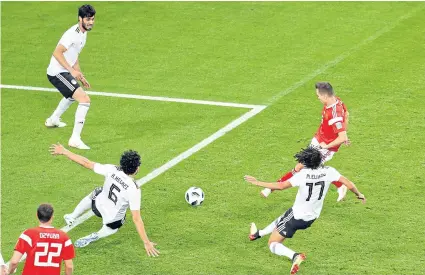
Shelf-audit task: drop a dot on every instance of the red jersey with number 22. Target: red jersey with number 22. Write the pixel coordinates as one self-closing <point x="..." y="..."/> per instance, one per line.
<point x="333" y="122"/>
<point x="46" y="248"/>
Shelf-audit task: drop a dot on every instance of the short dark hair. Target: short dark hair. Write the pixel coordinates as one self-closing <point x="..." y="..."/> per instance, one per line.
<point x="45" y="212"/>
<point x="86" y="11"/>
<point x="310" y="157"/>
<point x="325" y="88"/>
<point x="130" y="161"/>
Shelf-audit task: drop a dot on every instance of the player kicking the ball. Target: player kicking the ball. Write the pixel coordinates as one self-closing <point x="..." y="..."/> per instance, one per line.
<point x="111" y="201"/>
<point x="313" y="183"/>
<point x="330" y="135"/>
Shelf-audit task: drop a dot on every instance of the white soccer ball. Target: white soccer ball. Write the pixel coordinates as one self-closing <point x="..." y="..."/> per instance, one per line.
<point x="194" y="196"/>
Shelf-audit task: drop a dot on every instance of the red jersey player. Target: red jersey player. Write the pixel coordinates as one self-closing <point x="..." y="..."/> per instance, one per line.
<point x="46" y="247"/>
<point x="330" y="135"/>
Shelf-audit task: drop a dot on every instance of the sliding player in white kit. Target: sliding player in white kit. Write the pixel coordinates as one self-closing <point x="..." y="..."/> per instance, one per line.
<point x="64" y="71"/>
<point x="313" y="183"/>
<point x="111" y="201"/>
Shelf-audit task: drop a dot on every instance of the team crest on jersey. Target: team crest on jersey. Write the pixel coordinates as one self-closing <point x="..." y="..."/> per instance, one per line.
<point x="338" y="125"/>
<point x="74" y="82"/>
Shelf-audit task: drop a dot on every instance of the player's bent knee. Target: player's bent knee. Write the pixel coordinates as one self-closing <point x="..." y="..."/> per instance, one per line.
<point x="272" y="246"/>
<point x="81" y="96"/>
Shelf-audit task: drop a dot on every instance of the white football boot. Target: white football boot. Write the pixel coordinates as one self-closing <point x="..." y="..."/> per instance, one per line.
<point x="68" y="219"/>
<point x="85" y="241"/>
<point x="54" y="123"/>
<point x="77" y="143"/>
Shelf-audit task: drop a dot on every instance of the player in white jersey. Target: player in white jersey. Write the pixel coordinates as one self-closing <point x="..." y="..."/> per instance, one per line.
<point x="64" y="72"/>
<point x="313" y="183"/>
<point x="111" y="201"/>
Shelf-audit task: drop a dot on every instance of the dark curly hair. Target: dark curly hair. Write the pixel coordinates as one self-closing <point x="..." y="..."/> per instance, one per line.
<point x="86" y="11"/>
<point x="130" y="161"/>
<point x="310" y="157"/>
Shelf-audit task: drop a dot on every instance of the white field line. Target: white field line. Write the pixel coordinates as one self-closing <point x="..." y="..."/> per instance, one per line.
<point x="232" y="125"/>
<point x="144" y="97"/>
<point x="255" y="109"/>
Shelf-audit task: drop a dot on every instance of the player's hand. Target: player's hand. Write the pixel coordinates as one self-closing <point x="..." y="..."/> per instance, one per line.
<point x="362" y="197"/>
<point x="323" y="145"/>
<point x="86" y="84"/>
<point x="57" y="149"/>
<point x="4" y="270"/>
<point x="347" y="142"/>
<point x="250" y="179"/>
<point x="151" y="250"/>
<point x="77" y="74"/>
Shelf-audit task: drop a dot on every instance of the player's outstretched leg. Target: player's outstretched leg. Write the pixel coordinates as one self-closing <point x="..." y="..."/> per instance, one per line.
<point x="276" y="247"/>
<point x="80" y="117"/>
<point x="105" y="231"/>
<point x="84" y="205"/>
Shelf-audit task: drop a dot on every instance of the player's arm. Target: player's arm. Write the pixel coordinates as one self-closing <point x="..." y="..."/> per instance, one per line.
<point x="69" y="267"/>
<point x="58" y="149"/>
<point x="13" y="264"/>
<point x="58" y="54"/>
<point x="140" y="227"/>
<point x="77" y="66"/>
<point x="271" y="185"/>
<point x="342" y="137"/>
<point x="66" y="41"/>
<point x="352" y="187"/>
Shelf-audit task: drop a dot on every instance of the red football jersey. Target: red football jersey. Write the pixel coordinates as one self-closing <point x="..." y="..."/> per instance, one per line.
<point x="46" y="248"/>
<point x="333" y="122"/>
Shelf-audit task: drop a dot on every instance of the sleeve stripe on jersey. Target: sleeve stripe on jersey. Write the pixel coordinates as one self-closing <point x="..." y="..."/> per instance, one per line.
<point x="336" y="119"/>
<point x="68" y="243"/>
<point x="26" y="238"/>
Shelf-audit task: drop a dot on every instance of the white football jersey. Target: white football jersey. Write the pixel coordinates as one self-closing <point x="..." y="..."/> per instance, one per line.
<point x="1" y="260"/>
<point x="74" y="41"/>
<point x="312" y="188"/>
<point x="119" y="193"/>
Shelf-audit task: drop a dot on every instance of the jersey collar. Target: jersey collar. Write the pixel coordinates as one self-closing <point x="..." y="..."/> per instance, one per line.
<point x="330" y="106"/>
<point x="45" y="226"/>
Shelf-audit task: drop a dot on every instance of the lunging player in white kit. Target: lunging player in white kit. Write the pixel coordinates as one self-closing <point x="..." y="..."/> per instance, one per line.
<point x="111" y="201"/>
<point x="64" y="71"/>
<point x="313" y="183"/>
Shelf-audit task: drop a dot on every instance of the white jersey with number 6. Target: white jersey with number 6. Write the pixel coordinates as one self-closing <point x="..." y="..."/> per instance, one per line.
<point x="119" y="192"/>
<point x="313" y="186"/>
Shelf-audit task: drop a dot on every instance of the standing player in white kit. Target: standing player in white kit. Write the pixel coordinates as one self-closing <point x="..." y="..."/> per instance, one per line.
<point x="64" y="72"/>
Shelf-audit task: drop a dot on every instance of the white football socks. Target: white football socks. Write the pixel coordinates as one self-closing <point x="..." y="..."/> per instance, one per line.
<point x="268" y="229"/>
<point x="62" y="107"/>
<point x="80" y="118"/>
<point x="83" y="206"/>
<point x="281" y="250"/>
<point x="105" y="231"/>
